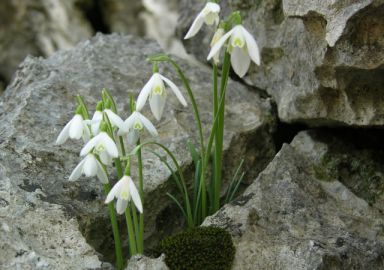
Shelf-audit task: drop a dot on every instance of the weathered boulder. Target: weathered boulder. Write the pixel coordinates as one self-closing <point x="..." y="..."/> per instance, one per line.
<point x="322" y="61"/>
<point x="290" y="219"/>
<point x="38" y="27"/>
<point x="41" y="100"/>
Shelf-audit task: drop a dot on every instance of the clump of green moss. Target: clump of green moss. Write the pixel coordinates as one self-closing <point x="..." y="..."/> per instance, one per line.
<point x="197" y="248"/>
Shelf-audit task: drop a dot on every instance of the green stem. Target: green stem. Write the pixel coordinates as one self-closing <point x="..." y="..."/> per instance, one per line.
<point x="131" y="234"/>
<point x="192" y="98"/>
<point x="115" y="229"/>
<point x="122" y="149"/>
<point x="139" y="158"/>
<point x="136" y="223"/>
<point x="219" y="136"/>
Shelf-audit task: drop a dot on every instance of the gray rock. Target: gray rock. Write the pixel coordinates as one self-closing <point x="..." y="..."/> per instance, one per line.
<point x="41" y="100"/>
<point x="289" y="219"/>
<point x="141" y="262"/>
<point x="38" y="27"/>
<point x="321" y="60"/>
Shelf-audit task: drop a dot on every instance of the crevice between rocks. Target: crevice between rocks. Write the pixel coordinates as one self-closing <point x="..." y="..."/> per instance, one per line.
<point x="93" y="12"/>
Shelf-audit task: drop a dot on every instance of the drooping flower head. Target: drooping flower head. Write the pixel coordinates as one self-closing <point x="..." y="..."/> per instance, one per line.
<point x="136" y="123"/>
<point x="218" y="34"/>
<point x="75" y="129"/>
<point x="209" y="14"/>
<point x="242" y="47"/>
<point x="124" y="190"/>
<point x="90" y="166"/>
<point x="103" y="145"/>
<point x="155" y="89"/>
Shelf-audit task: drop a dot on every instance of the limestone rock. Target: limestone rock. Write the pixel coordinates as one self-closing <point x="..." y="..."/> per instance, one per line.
<point x="38" y="27"/>
<point x="322" y="61"/>
<point x="141" y="262"/>
<point x="289" y="219"/>
<point x="42" y="98"/>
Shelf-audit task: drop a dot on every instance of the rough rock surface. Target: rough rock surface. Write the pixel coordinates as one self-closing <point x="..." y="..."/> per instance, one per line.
<point x="289" y="219"/>
<point x="141" y="262"/>
<point x="322" y="61"/>
<point x="41" y="100"/>
<point x="38" y="27"/>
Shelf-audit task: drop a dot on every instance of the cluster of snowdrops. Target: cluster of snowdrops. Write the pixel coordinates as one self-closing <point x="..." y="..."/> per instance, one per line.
<point x="106" y="129"/>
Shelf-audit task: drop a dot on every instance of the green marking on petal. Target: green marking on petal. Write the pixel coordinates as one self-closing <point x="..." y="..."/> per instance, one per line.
<point x="101" y="147"/>
<point x="158" y="90"/>
<point x="137" y="126"/>
<point x="245" y="47"/>
<point x="124" y="195"/>
<point x="238" y="42"/>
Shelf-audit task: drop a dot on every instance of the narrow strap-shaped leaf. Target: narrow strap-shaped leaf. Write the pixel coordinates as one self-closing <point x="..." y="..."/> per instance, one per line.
<point x="237" y="186"/>
<point x="113" y="105"/>
<point x="81" y="102"/>
<point x="196" y="185"/>
<point x="233" y="181"/>
<point x="181" y="208"/>
<point x="193" y="152"/>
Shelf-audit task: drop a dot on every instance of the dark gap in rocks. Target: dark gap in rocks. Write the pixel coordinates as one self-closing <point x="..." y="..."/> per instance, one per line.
<point x="3" y="84"/>
<point x="285" y="133"/>
<point x="93" y="12"/>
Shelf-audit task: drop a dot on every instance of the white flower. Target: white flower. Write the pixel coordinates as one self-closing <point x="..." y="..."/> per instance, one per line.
<point x="104" y="146"/>
<point x="123" y="191"/>
<point x="155" y="89"/>
<point x="209" y="14"/>
<point x="116" y="121"/>
<point x="136" y="123"/>
<point x="90" y="166"/>
<point x="75" y="129"/>
<point x="219" y="33"/>
<point x="95" y="122"/>
<point x="242" y="46"/>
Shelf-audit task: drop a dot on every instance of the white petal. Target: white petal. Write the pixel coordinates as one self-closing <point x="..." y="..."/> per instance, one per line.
<point x="237" y="38"/>
<point x="121" y="206"/>
<point x="253" y="49"/>
<point x="88" y="147"/>
<point x="90" y="166"/>
<point x="105" y="158"/>
<point x="115" y="191"/>
<point x="196" y="25"/>
<point x="213" y="7"/>
<point x="110" y="146"/>
<point x="144" y="94"/>
<point x="77" y="127"/>
<point x="117" y="121"/>
<point x="209" y="18"/>
<point x="157" y="103"/>
<point x="149" y="126"/>
<point x="240" y="61"/>
<point x="133" y="136"/>
<point x="219" y="43"/>
<point x="77" y="171"/>
<point x="175" y="90"/>
<point x="86" y="134"/>
<point x="64" y="134"/>
<point x="130" y="120"/>
<point x="217" y="19"/>
<point x="135" y="196"/>
<point x="101" y="173"/>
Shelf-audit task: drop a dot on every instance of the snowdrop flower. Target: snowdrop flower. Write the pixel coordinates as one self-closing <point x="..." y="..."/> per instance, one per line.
<point x="219" y="33"/>
<point x="155" y="89"/>
<point x="115" y="120"/>
<point x="124" y="190"/>
<point x="209" y="14"/>
<point x="90" y="166"/>
<point x="75" y="129"/>
<point x="242" y="46"/>
<point x="136" y="123"/>
<point x="103" y="145"/>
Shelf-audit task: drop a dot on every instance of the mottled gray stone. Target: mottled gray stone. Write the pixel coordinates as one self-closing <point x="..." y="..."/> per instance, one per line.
<point x="322" y="61"/>
<point x="289" y="219"/>
<point x="141" y="262"/>
<point x="38" y="27"/>
<point x="41" y="100"/>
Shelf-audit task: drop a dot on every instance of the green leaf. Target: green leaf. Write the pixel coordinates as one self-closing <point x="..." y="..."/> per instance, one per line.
<point x="159" y="57"/>
<point x="181" y="208"/>
<point x="233" y="181"/>
<point x="237" y="186"/>
<point x="81" y="102"/>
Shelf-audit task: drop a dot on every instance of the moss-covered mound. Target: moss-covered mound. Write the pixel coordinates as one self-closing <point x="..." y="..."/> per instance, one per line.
<point x="197" y="248"/>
